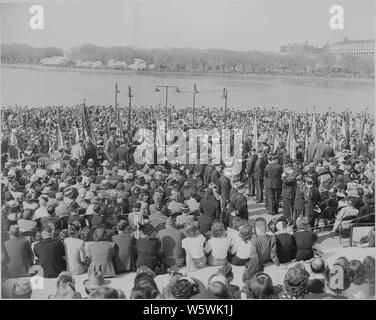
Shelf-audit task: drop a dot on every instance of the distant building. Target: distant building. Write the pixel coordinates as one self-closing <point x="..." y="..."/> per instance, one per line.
<point x="361" y="48"/>
<point x="303" y="48"/>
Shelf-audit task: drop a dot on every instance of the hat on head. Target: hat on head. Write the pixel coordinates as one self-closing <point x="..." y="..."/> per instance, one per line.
<point x="217" y="277"/>
<point x="89" y="195"/>
<point x="14" y="230"/>
<point x="22" y="290"/>
<point x="184" y="207"/>
<point x="59" y="196"/>
<point x="46" y="190"/>
<point x="340" y="195"/>
<point x="95" y="281"/>
<point x="105" y="163"/>
<point x="137" y="205"/>
<point x="12" y="204"/>
<point x="128" y="176"/>
<point x="67" y="191"/>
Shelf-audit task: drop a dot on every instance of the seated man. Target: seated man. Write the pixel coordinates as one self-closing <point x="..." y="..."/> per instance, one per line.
<point x="286" y="247"/>
<point x="171" y="244"/>
<point x="266" y="246"/>
<point x="74" y="215"/>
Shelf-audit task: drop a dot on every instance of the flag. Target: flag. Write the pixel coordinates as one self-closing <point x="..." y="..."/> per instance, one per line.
<point x="313" y="138"/>
<point x="329" y="128"/>
<point x="86" y="125"/>
<point x="290" y="143"/>
<point x="77" y="132"/>
<point x="59" y="138"/>
<point x="306" y="140"/>
<point x="334" y="143"/>
<point x="277" y="140"/>
<point x="255" y="134"/>
<point x="362" y="127"/>
<point x="346" y="128"/>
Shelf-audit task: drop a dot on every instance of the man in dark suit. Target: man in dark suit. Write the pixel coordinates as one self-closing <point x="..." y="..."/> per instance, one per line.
<point x="248" y="143"/>
<point x="238" y="203"/>
<point x="250" y="171"/>
<point x="273" y="184"/>
<point x="121" y="154"/>
<point x="125" y="248"/>
<point x="18" y="255"/>
<point x="259" y="173"/>
<point x="224" y="189"/>
<point x="216" y="174"/>
<point x="288" y="190"/>
<point x="50" y="253"/>
<point x="210" y="209"/>
<point x="207" y="174"/>
<point x="323" y="150"/>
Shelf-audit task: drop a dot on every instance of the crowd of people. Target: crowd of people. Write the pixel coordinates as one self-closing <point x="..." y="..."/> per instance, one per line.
<point x="87" y="207"/>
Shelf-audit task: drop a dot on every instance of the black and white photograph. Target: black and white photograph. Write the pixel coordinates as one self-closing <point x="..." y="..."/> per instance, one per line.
<point x="188" y="150"/>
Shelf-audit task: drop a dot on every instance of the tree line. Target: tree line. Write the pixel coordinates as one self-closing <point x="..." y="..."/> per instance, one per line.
<point x="200" y="60"/>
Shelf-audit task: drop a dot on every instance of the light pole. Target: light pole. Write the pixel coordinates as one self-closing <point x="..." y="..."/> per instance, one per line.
<point x="130" y="96"/>
<point x="116" y="105"/>
<point x="168" y="115"/>
<point x="195" y="91"/>
<point x="225" y="97"/>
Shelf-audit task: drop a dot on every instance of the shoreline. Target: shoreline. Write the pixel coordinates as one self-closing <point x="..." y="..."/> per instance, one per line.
<point x="175" y="73"/>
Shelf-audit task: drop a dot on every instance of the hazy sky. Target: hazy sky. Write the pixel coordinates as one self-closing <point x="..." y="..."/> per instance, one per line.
<point x="234" y="25"/>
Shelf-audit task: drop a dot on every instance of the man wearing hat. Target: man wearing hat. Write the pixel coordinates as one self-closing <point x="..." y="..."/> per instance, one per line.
<point x="184" y="218"/>
<point x="18" y="254"/>
<point x="273" y="184"/>
<point x="95" y="281"/>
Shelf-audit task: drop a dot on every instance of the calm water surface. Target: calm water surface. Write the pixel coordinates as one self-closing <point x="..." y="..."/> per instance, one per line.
<point x="39" y="87"/>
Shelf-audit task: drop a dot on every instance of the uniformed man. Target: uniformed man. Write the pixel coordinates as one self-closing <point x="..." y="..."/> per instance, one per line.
<point x="273" y="184"/>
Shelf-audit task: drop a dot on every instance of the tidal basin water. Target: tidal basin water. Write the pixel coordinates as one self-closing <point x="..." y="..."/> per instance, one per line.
<point x="53" y="86"/>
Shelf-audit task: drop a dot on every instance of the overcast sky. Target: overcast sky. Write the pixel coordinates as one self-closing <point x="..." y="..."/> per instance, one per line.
<point x="233" y="25"/>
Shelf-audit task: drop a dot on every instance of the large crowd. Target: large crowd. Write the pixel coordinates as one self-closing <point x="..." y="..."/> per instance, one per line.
<point x="85" y="206"/>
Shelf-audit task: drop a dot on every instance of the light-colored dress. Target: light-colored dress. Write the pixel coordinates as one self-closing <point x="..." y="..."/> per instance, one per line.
<point x="75" y="255"/>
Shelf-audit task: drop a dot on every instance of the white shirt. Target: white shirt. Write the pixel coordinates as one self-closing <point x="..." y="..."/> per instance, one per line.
<point x="241" y="249"/>
<point x="40" y="213"/>
<point x="218" y="247"/>
<point x="195" y="246"/>
<point x="193" y="204"/>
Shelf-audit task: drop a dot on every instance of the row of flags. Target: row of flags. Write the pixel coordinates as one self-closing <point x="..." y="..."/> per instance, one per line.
<point x="311" y="137"/>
